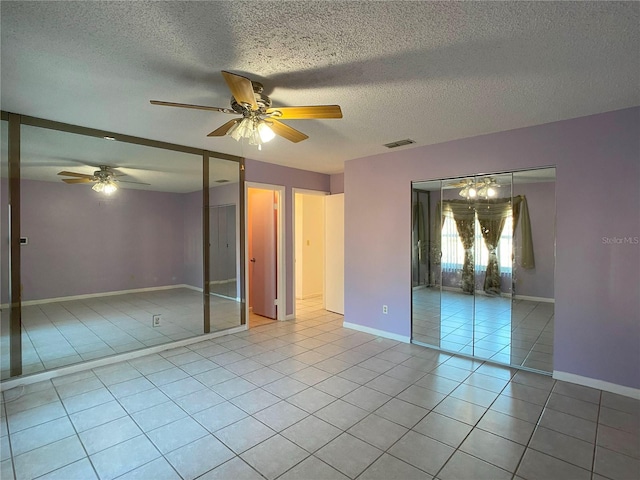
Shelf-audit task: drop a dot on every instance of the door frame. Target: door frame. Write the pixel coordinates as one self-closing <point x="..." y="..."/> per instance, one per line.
<point x="281" y="284"/>
<point x="305" y="191"/>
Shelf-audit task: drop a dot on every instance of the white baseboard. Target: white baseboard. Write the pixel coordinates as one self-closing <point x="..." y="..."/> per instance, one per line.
<point x="535" y="299"/>
<point x="375" y="331"/>
<point x="290" y="317"/>
<point x="504" y="294"/>
<point x="220" y="282"/>
<point x="476" y="292"/>
<point x="192" y="287"/>
<point x="110" y="294"/>
<point x="101" y="362"/>
<point x="311" y="295"/>
<point x="599" y="384"/>
<point x="102" y="294"/>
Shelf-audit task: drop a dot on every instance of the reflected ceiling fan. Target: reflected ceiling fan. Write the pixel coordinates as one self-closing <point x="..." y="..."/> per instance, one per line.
<point x="259" y="122"/>
<point x="105" y="179"/>
<point x="472" y="188"/>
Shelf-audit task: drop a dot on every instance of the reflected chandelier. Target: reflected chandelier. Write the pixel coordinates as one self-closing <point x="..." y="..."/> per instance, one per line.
<point x="483" y="188"/>
<point x="104" y="181"/>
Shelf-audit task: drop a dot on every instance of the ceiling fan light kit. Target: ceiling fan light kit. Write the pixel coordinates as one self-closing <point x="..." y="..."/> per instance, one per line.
<point x="260" y="122"/>
<point x="104" y="179"/>
<point x="485" y="188"/>
<point x="106" y="187"/>
<point x="256" y="130"/>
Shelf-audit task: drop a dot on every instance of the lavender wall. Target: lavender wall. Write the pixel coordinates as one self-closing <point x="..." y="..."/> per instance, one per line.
<point x="336" y="183"/>
<point x="597" y="331"/>
<point x="290" y="178"/>
<point x="82" y="243"/>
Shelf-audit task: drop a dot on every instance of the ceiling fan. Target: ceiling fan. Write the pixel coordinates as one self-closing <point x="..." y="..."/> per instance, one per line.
<point x="259" y="122"/>
<point x="104" y="179"/>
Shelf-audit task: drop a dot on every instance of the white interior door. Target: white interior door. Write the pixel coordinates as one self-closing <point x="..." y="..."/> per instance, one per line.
<point x="334" y="253"/>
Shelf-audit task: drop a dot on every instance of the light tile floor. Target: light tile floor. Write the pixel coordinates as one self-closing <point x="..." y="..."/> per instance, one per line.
<point x="66" y="332"/>
<point x="513" y="333"/>
<point x="309" y="399"/>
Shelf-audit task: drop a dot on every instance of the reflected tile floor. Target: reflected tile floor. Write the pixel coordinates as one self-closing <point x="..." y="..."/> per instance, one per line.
<point x="62" y="333"/>
<point x="309" y="399"/>
<point x="514" y="333"/>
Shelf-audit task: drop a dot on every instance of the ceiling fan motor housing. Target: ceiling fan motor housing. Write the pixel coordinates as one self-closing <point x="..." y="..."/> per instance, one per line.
<point x="104" y="174"/>
<point x="263" y="101"/>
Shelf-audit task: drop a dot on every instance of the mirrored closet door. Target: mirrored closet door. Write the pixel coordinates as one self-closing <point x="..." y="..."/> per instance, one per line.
<point x="476" y="287"/>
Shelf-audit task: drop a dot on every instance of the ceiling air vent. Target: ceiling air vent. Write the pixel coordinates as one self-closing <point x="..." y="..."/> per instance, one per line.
<point x="399" y="143"/>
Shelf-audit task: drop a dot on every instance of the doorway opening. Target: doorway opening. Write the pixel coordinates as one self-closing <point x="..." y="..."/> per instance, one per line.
<point x="309" y="249"/>
<point x="265" y="287"/>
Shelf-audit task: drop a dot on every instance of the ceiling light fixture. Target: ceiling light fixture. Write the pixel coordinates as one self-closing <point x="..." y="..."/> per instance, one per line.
<point x="484" y="188"/>
<point x="254" y="128"/>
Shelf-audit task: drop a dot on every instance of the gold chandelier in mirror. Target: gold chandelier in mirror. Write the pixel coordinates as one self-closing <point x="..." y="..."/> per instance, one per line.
<point x="479" y="188"/>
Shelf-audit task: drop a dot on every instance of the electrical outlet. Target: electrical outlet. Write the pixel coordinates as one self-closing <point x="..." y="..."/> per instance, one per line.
<point x="156" y="320"/>
<point x="385" y="309"/>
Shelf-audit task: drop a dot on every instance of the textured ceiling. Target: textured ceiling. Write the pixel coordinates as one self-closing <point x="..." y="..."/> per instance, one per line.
<point x="428" y="71"/>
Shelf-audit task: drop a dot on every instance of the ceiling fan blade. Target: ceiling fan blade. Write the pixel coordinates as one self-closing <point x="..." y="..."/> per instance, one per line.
<point x="78" y="180"/>
<point x="129" y="181"/>
<point x="222" y="131"/>
<point x="75" y="174"/>
<point x="241" y="89"/>
<point x="286" y="131"/>
<point x="301" y="113"/>
<point x="460" y="184"/>
<point x="195" y="107"/>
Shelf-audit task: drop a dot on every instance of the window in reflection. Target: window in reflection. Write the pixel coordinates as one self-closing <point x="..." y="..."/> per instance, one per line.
<point x="453" y="250"/>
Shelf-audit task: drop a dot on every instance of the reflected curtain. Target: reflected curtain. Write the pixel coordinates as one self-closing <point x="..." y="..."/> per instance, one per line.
<point x="521" y="209"/>
<point x="465" y="218"/>
<point x="492" y="217"/>
<point x="419" y="229"/>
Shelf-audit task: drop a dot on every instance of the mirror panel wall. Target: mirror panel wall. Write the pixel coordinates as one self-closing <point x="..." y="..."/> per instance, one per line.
<point x="483" y="259"/>
<point x="98" y="266"/>
<point x="5" y="319"/>
<point x="223" y="212"/>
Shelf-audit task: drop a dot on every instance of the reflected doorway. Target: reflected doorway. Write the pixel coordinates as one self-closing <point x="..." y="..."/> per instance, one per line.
<point x="222" y="255"/>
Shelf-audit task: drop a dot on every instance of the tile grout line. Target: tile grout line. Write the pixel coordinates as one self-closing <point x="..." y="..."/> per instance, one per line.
<point x="595" y="441"/>
<point x="535" y="428"/>
<point x="457" y="449"/>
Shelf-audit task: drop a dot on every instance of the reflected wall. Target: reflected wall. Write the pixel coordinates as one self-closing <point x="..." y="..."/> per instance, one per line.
<point x="103" y="274"/>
